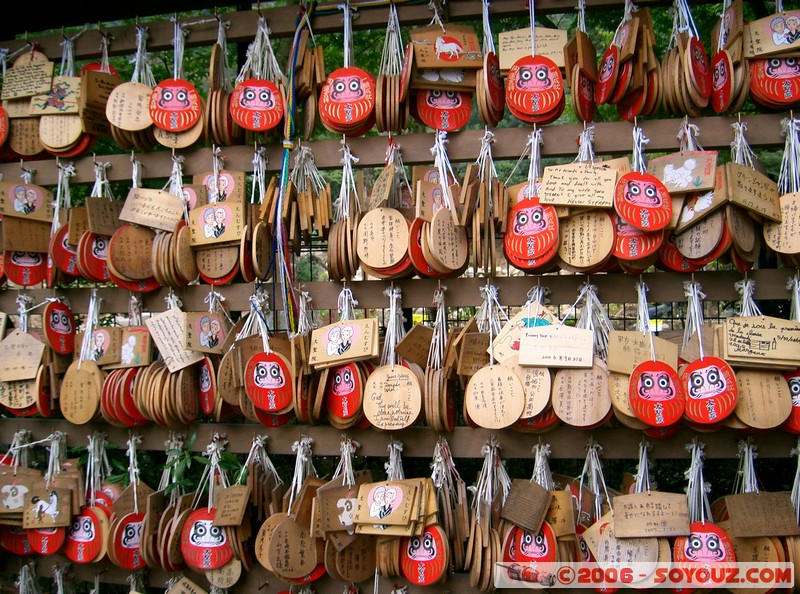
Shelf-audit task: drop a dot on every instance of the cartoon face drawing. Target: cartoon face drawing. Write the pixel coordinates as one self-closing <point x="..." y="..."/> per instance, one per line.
<point x="174" y="98"/>
<point x="132" y="535"/>
<point x="530" y="221"/>
<point x="15" y="496"/>
<point x="704" y="547"/>
<point x="268" y="374"/>
<point x="706" y="382"/>
<point x="422" y="548"/>
<point x="343" y="382"/>
<point x="794" y="390"/>
<point x="347" y="508"/>
<point x="60" y="322"/>
<point x="642" y="193"/>
<point x="204" y="534"/>
<point x="347" y="333"/>
<point x="82" y="529"/>
<point x="256" y="98"/>
<point x="534" y="78"/>
<point x="782" y="68"/>
<point x="533" y="545"/>
<point x="607" y="67"/>
<point x="347" y="88"/>
<point x="100" y="247"/>
<point x="720" y="75"/>
<point x="26" y="258"/>
<point x="443" y="99"/>
<point x="656" y="386"/>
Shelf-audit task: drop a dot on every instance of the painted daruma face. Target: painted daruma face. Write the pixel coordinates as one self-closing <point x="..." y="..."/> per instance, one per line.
<point x="707" y="543"/>
<point x="256" y="104"/>
<point x="643" y="201"/>
<point x="656" y="394"/>
<point x="532" y="229"/>
<point x="347" y="97"/>
<point x="706" y="382"/>
<point x="268" y="374"/>
<point x="711" y="390"/>
<point x="533" y="86"/>
<point x="175" y="105"/>
<point x="444" y="110"/>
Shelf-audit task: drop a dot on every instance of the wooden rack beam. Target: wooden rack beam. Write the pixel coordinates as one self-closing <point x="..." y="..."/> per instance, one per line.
<point x="282" y="22"/>
<point x="418" y="441"/>
<point x="664" y="287"/>
<point x="611" y="138"/>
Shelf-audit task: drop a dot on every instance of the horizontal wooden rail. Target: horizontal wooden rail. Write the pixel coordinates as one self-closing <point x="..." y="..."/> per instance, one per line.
<point x="418" y="441"/>
<point x="664" y="287"/>
<point x="611" y="138"/>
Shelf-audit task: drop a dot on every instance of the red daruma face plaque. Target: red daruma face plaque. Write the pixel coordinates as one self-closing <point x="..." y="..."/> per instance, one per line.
<point x="656" y="393"/>
<point x="643" y="201"/>
<point x="256" y="104"/>
<point x="203" y="545"/>
<point x="175" y="105"/>
<point x="533" y="85"/>
<point x="711" y="390"/>
<point x="423" y="558"/>
<point x="531" y="229"/>
<point x="444" y="110"/>
<point x="268" y="382"/>
<point x="347" y="98"/>
<point x="59" y="327"/>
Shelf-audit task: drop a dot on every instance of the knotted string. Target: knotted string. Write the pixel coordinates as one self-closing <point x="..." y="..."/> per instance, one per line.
<point x="142" y="71"/>
<point x="746" y="480"/>
<point x="400" y="181"/>
<point x="259" y="188"/>
<point x="437" y="17"/>
<point x="439" y="336"/>
<point x="101" y="187"/>
<point x="687" y="136"/>
<point x="542" y="475"/>
<point x="24" y="303"/>
<point x="694" y="314"/>
<point x="174" y="184"/>
<point x="178" y="42"/>
<point x="789" y="177"/>
<point x="586" y="146"/>
<point x="594" y="317"/>
<point x="643" y="481"/>
<point x="795" y="451"/>
<point x="136" y="171"/>
<point x="305" y="175"/>
<point x="105" y="42"/>
<point x="213" y="474"/>
<point x="741" y="153"/>
<point x="303" y="466"/>
<point x="639" y="140"/>
<point x="90" y="322"/>
<point x="258" y="456"/>
<point x="392" y="54"/>
<point x="643" y="316"/>
<point x="347" y="15"/>
<point x="307" y="316"/>
<point x="18" y="450"/>
<point x="97" y="466"/>
<point x="747" y="304"/>
<point x="489" y="316"/>
<point x="722" y="37"/>
<point x="345" y="304"/>
<point x="348" y="192"/>
<point x="793" y="285"/>
<point x="63" y="193"/>
<point x="222" y="42"/>
<point x="68" y="54"/>
<point x="488" y="38"/>
<point x="133" y="469"/>
<point x="442" y="163"/>
<point x="394" y="327"/>
<point x="493" y="480"/>
<point x="27" y="582"/>
<point x="347" y="447"/>
<point x="697" y="489"/>
<point x="592" y="475"/>
<point x="394" y="466"/>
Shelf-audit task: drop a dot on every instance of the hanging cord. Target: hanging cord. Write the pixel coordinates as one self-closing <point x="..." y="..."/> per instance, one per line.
<point x="27" y="175"/>
<point x="586" y="146"/>
<point x="136" y="171"/>
<point x="493" y="480"/>
<point x="62" y="578"/>
<point x="532" y="23"/>
<point x="137" y="581"/>
<point x="170" y="477"/>
<point x="142" y="70"/>
<point x="217" y="165"/>
<point x="90" y="323"/>
<point x="27" y="582"/>
<point x="101" y="187"/>
<point x="394" y="466"/>
<point x="437" y="17"/>
<point x="534" y="140"/>
<point x="394" y="327"/>
<point x="222" y="41"/>
<point x="489" y="316"/>
<point x="63" y="195"/>
<point x="594" y="478"/>
<point x="259" y="187"/>
<point x="639" y="140"/>
<point x="442" y="163"/>
<point x="581" y="25"/>
<point x="643" y="481"/>
<point x="394" y="155"/>
<point x="303" y="466"/>
<point x="348" y="191"/>
<point x="174" y="184"/>
<point x="307" y="316"/>
<point x="694" y="314"/>
<point x="485" y="163"/>
<point x="747" y="304"/>
<point x="97" y="466"/>
<point x="347" y="447"/>
<point x="133" y="469"/>
<point x="179" y="43"/>
<point x="537" y="296"/>
<point x="304" y="175"/>
<point x="213" y="474"/>
<point x="722" y="37"/>
<point x="789" y="177"/>
<point x="746" y="480"/>
<point x="24" y="303"/>
<point x="258" y="456"/>
<point x="259" y="310"/>
<point x="594" y="317"/>
<point x="741" y="153"/>
<point x="643" y="316"/>
<point x="215" y="301"/>
<point x="253" y="66"/>
<point x="542" y="475"/>
<point x="347" y="16"/>
<point x="444" y="475"/>
<point x="105" y="43"/>
<point x="346" y="304"/>
<point x="793" y="285"/>
<point x="488" y="38"/>
<point x="18" y="450"/>
<point x="392" y="54"/>
<point x="687" y="136"/>
<point x="697" y="489"/>
<point x="68" y="54"/>
<point x="439" y="336"/>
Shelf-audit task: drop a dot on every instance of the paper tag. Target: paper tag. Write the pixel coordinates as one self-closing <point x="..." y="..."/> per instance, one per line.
<point x="343" y="342"/>
<point x="626" y="349"/>
<point x="556" y="346"/>
<point x="20" y="356"/>
<point x="168" y="332"/>
<point x="762" y="514"/>
<point x="753" y="190"/>
<point x="156" y="209"/>
<point x="641" y="515"/>
<point x="27" y="80"/>
<point x="415" y="345"/>
<point x="513" y="45"/>
<point x="232" y="505"/>
<point x="103" y="215"/>
<point x="762" y="339"/>
<point x="527" y="505"/>
<point x="692" y="171"/>
<point x="579" y="184"/>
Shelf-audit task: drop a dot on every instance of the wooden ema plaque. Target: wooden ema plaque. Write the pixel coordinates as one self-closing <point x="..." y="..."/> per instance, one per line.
<point x="494" y="397"/>
<point x="392" y="397"/>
